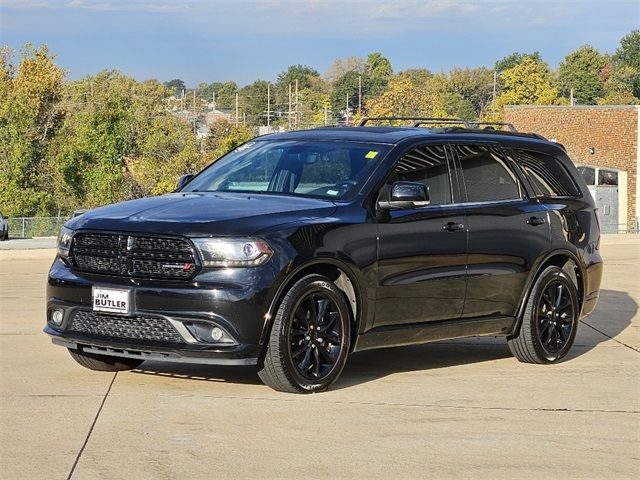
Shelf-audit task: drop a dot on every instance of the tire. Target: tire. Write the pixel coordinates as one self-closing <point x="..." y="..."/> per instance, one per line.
<point x="550" y="319"/>
<point x="309" y="340"/>
<point x="103" y="363"/>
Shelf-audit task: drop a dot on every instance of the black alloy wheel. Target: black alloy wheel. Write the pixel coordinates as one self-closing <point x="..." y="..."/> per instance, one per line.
<point x="555" y="317"/>
<point x="315" y="337"/>
<point x="310" y="338"/>
<point x="549" y="320"/>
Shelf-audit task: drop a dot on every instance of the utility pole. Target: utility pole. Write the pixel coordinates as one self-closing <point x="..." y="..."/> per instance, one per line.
<point x="495" y="81"/>
<point x="297" y="120"/>
<point x="268" y="107"/>
<point x="214" y="103"/>
<point x="244" y="119"/>
<point x="194" y="112"/>
<point x="289" y="107"/>
<point x="346" y="122"/>
<point x="359" y="94"/>
<point x="182" y="99"/>
<point x="571" y="97"/>
<point x="325" y="116"/>
<point x="237" y="108"/>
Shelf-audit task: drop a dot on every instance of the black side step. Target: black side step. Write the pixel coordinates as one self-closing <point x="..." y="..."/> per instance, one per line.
<point x="395" y="336"/>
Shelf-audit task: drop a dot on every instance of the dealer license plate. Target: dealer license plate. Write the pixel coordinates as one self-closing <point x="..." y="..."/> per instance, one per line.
<point x="112" y="300"/>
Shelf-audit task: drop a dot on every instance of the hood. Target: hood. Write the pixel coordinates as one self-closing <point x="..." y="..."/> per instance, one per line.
<point x="202" y="214"/>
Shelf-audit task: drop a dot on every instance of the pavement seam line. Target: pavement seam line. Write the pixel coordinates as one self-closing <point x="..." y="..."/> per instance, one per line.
<point x="426" y="405"/>
<point x="93" y="424"/>
<point x="610" y="337"/>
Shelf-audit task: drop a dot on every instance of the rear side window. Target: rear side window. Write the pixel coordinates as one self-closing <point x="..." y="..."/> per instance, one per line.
<point x="487" y="176"/>
<point x="547" y="175"/>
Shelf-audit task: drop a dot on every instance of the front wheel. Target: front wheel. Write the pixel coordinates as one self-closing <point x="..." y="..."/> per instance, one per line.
<point x="310" y="337"/>
<point x="550" y="319"/>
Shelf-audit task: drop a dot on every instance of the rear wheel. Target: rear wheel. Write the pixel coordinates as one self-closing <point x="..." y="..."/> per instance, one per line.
<point x="309" y="339"/>
<point x="550" y="320"/>
<point x="103" y="363"/>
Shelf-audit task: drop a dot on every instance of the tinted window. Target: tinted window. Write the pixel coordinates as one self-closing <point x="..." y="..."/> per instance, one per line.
<point x="607" y="177"/>
<point x="546" y="174"/>
<point x="426" y="164"/>
<point x="588" y="174"/>
<point x="486" y="175"/>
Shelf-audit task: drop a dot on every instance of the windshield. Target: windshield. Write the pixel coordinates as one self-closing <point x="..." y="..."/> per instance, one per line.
<point x="306" y="168"/>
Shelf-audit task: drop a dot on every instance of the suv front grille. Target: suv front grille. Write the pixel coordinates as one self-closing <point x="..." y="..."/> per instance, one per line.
<point x="133" y="256"/>
<point x="140" y="327"/>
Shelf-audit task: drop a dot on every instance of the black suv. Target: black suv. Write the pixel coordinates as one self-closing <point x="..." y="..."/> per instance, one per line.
<point x="295" y="249"/>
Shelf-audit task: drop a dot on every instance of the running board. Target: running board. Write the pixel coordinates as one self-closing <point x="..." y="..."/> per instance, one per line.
<point x="396" y="336"/>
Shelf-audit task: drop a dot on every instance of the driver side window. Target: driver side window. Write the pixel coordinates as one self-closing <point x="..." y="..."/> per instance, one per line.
<point x="426" y="164"/>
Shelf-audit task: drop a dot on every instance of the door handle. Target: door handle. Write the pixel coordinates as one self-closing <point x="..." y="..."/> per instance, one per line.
<point x="452" y="226"/>
<point x="535" y="221"/>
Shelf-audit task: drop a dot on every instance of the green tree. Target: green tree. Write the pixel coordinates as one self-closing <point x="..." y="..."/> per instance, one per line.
<point x="514" y="59"/>
<point x="345" y="92"/>
<point x="176" y="86"/>
<point x="253" y="102"/>
<point x="307" y="77"/>
<point x="225" y="93"/>
<point x="582" y="71"/>
<point x="629" y="51"/>
<point x="377" y="72"/>
<point x="475" y="88"/>
<point x="420" y="77"/>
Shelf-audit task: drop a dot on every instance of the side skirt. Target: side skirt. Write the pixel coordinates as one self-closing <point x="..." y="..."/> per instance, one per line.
<point x="433" y="331"/>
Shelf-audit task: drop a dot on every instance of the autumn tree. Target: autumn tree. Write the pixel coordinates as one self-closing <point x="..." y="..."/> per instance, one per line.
<point x="402" y="98"/>
<point x="30" y="116"/>
<point x="528" y="83"/>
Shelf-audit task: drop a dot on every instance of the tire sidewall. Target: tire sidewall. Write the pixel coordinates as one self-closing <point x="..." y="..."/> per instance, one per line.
<point x="552" y="275"/>
<point x="298" y="292"/>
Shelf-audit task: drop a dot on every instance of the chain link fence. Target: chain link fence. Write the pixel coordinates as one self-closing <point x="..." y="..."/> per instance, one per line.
<point x="29" y="227"/>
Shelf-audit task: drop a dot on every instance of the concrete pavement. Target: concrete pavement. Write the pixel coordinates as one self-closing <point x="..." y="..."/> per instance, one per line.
<point x="443" y="410"/>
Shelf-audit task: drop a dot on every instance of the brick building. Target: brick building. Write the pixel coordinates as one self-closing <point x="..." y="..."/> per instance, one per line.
<point x="603" y="140"/>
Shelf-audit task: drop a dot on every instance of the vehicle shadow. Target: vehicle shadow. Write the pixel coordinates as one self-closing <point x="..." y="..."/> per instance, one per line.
<point x="201" y="373"/>
<point x="613" y="315"/>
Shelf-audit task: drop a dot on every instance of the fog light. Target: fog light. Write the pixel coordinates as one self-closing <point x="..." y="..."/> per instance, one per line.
<point x="216" y="334"/>
<point x="57" y="316"/>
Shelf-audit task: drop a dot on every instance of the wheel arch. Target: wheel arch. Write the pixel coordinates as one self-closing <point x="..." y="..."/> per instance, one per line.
<point x="342" y="274"/>
<point x="562" y="258"/>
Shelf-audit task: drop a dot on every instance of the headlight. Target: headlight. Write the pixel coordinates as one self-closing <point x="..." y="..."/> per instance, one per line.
<point x="232" y="252"/>
<point x="64" y="241"/>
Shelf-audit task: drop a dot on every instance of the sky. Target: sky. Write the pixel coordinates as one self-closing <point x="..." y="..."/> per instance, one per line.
<point x="245" y="40"/>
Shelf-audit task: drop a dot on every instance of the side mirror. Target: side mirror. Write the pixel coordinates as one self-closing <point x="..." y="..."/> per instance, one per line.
<point x="406" y="195"/>
<point x="183" y="180"/>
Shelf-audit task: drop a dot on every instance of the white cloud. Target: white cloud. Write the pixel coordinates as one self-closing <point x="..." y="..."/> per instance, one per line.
<point x="337" y="16"/>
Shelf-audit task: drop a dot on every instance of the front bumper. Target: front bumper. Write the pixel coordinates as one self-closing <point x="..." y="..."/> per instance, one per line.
<point x="232" y="300"/>
<point x="237" y="355"/>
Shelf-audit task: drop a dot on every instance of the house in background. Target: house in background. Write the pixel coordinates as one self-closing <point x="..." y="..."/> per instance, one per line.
<point x="603" y="142"/>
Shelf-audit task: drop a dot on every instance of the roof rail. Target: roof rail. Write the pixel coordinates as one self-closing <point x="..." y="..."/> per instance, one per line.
<point x="490" y="125"/>
<point x="417" y="121"/>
